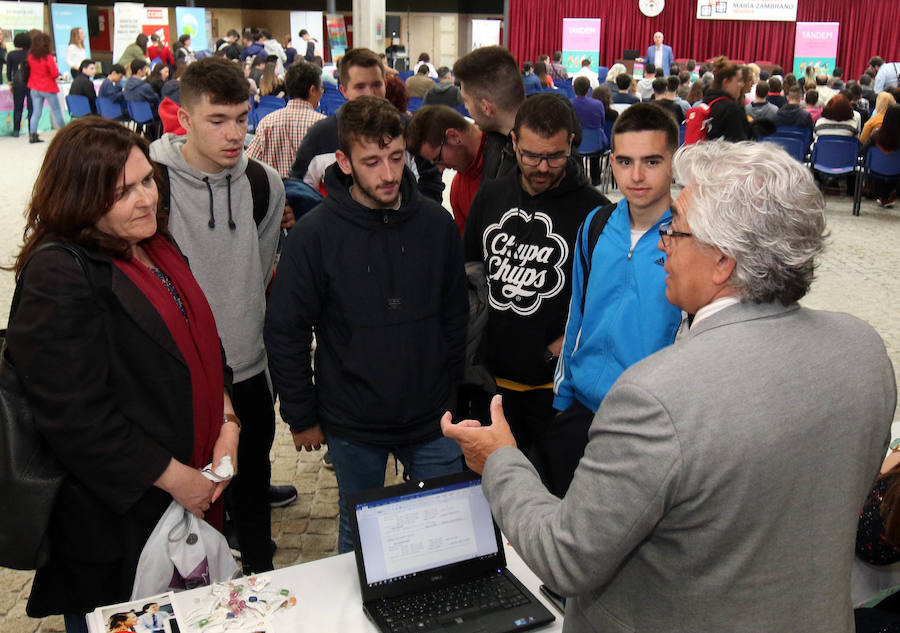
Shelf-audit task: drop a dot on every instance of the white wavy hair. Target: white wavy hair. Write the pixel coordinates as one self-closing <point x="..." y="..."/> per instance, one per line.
<point x="760" y="207"/>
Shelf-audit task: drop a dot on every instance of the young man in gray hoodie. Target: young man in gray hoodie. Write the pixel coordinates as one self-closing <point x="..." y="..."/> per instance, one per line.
<point x="230" y="244"/>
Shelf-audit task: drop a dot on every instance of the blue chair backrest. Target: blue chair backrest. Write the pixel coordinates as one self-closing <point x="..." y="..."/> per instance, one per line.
<point x="803" y="133"/>
<point x="406" y="74"/>
<point x="78" y="105"/>
<point x="592" y="141"/>
<point x="882" y="164"/>
<point x="273" y="103"/>
<point x="108" y="109"/>
<point x="607" y="128"/>
<point x="681" y="130"/>
<point x="461" y="108"/>
<point x="261" y="111"/>
<point x="154" y="62"/>
<point x="602" y="72"/>
<point x="139" y="111"/>
<point x="794" y="146"/>
<point x="836" y="153"/>
<point x="414" y="104"/>
<point x="565" y="86"/>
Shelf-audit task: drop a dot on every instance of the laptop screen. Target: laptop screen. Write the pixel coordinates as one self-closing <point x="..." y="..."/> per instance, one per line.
<point x="419" y="531"/>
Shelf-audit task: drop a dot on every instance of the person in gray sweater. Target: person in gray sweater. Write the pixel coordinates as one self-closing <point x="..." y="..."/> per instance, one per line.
<point x="231" y="251"/>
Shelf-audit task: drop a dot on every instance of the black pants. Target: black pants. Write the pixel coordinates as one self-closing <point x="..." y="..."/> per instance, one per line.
<point x="529" y="414"/>
<point x="566" y="440"/>
<point x="246" y="498"/>
<point x="21" y="94"/>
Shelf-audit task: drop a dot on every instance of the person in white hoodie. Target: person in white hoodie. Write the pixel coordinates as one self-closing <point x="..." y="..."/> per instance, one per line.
<point x="229" y="239"/>
<point x="274" y="47"/>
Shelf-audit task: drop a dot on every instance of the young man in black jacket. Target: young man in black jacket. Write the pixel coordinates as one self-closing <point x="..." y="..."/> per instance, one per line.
<point x="83" y="84"/>
<point x="377" y="271"/>
<point x="523" y="228"/>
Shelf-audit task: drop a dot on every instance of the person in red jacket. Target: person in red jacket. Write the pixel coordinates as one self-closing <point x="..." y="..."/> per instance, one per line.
<point x="158" y="49"/>
<point x="42" y="84"/>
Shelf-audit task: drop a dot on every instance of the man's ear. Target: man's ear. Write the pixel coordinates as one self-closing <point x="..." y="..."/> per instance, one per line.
<point x="184" y="119"/>
<point x="343" y="162"/>
<point x="488" y="107"/>
<point x="724" y="269"/>
<point x="452" y="136"/>
<point x="515" y="141"/>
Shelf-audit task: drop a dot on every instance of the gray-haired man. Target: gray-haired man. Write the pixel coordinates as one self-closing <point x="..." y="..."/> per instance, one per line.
<point x="724" y="474"/>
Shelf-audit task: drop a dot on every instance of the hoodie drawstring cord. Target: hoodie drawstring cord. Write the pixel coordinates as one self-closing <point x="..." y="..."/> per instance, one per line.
<point x="231" y="224"/>
<point x="212" y="218"/>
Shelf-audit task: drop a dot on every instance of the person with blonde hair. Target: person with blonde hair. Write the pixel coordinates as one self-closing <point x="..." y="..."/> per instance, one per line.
<point x="884" y="101"/>
<point x="75" y="52"/>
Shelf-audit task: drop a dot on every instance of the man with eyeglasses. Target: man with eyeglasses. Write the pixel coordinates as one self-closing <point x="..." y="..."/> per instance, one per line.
<point x="443" y="136"/>
<point x="522" y="227"/>
<point x="619" y="313"/>
<point x="722" y="483"/>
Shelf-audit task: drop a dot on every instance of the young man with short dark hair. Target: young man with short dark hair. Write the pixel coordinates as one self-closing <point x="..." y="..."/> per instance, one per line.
<point x="137" y="88"/>
<point x="83" y="83"/>
<point x="444" y="137"/>
<point x="376" y="271"/>
<point x="522" y="229"/>
<point x="492" y="90"/>
<point x="792" y="113"/>
<point x="112" y="86"/>
<point x="420" y="83"/>
<point x="361" y="74"/>
<point x="279" y="134"/>
<point x="619" y="313"/>
<point x="225" y="213"/>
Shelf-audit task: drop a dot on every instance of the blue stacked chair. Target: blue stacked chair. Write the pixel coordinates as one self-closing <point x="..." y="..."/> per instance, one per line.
<point x="109" y="109"/>
<point x="78" y="105"/>
<point x="876" y="164"/>
<point x="414" y="103"/>
<point x="835" y="156"/>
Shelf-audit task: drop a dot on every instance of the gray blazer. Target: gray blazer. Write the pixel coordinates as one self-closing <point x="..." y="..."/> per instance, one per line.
<point x="721" y="484"/>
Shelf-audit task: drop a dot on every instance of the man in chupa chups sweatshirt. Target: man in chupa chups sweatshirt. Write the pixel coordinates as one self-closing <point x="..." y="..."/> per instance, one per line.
<point x="225" y="214"/>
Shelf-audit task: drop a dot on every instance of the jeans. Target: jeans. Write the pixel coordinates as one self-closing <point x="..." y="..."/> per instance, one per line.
<point x="37" y="100"/>
<point x="75" y="623"/>
<point x="246" y="499"/>
<point x="361" y="467"/>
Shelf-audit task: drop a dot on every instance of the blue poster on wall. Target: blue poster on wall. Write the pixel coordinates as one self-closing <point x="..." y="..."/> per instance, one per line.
<point x="192" y="21"/>
<point x="66" y="19"/>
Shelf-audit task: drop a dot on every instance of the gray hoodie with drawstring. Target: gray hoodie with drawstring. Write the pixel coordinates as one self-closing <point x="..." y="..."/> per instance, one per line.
<point x="211" y="219"/>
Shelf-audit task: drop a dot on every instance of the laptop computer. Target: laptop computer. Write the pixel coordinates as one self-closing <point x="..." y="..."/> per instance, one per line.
<point x="430" y="558"/>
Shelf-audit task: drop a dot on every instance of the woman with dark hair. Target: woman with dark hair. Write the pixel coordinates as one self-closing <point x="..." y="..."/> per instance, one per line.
<point x="127" y="380"/>
<point x="603" y="95"/>
<point x="425" y="59"/>
<point x="726" y="109"/>
<point x="182" y="49"/>
<point x="887" y="139"/>
<point x="75" y="53"/>
<point x="540" y="69"/>
<point x="158" y="76"/>
<point x="395" y="92"/>
<point x="42" y="76"/>
<point x="136" y="50"/>
<point x="15" y="69"/>
<point x="837" y="118"/>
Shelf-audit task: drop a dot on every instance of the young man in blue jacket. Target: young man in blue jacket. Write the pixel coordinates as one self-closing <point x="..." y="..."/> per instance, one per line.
<point x="620" y="315"/>
<point x="377" y="271"/>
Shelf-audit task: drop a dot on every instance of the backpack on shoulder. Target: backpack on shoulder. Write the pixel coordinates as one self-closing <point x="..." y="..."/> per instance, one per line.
<point x="697" y="122"/>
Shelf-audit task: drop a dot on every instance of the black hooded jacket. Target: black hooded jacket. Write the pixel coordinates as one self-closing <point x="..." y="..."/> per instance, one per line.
<point x="527" y="244"/>
<point x="385" y="291"/>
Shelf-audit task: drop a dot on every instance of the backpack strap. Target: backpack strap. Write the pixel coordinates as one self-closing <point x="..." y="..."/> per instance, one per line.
<point x="595" y="228"/>
<point x="259" y="188"/>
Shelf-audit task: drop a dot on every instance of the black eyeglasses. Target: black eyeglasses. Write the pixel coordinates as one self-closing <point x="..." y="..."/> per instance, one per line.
<point x="440" y="156"/>
<point x="666" y="233"/>
<point x="553" y="160"/>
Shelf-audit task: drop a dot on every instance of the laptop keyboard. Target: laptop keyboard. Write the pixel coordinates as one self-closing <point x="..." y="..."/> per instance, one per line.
<point x="451" y="605"/>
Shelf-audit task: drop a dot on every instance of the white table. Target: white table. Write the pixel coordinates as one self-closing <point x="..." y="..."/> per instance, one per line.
<point x="329" y="599"/>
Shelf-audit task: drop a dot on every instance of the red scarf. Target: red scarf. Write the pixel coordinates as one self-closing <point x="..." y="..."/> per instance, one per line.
<point x="198" y="343"/>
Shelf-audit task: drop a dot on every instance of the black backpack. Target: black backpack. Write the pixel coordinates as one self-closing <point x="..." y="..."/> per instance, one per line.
<point x="598" y="223"/>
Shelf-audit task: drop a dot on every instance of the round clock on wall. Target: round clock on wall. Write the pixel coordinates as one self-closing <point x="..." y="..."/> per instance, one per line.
<point x="651" y="8"/>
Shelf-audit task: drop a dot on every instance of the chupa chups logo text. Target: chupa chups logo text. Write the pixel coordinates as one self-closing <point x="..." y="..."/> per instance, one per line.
<point x="523" y="266"/>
